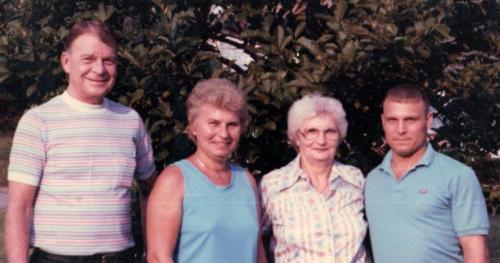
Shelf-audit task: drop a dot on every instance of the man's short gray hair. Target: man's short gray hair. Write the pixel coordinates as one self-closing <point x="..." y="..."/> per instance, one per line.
<point x="312" y="105"/>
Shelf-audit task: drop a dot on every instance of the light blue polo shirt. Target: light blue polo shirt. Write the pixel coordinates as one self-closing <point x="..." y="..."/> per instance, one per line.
<point x="421" y="217"/>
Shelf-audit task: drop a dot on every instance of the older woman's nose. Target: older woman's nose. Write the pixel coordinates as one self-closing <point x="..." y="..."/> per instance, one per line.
<point x="321" y="139"/>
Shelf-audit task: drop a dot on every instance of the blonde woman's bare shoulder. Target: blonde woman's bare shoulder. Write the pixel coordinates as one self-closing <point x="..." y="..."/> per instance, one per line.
<point x="170" y="180"/>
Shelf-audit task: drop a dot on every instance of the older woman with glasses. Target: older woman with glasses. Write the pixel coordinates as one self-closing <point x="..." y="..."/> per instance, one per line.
<point x="314" y="204"/>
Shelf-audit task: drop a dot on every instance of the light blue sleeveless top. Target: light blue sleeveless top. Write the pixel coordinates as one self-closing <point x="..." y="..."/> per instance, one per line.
<point x="219" y="223"/>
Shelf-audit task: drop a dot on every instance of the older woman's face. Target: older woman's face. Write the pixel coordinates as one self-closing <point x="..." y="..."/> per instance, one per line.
<point x="217" y="131"/>
<point x="318" y="138"/>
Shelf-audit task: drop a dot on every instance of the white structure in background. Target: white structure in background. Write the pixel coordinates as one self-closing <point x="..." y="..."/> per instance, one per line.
<point x="233" y="53"/>
<point x="229" y="51"/>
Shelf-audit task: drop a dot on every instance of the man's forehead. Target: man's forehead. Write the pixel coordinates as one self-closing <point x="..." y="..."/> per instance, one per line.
<point x="403" y="100"/>
<point x="89" y="40"/>
<point x="390" y="104"/>
<point x="400" y="102"/>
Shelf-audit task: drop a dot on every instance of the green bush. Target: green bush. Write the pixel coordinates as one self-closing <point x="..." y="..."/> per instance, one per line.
<point x="353" y="50"/>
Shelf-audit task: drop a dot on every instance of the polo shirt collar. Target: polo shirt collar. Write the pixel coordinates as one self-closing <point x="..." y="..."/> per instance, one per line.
<point x="296" y="174"/>
<point x="426" y="159"/>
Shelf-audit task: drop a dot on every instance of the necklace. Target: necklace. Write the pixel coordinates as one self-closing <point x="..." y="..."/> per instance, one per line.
<point x="218" y="174"/>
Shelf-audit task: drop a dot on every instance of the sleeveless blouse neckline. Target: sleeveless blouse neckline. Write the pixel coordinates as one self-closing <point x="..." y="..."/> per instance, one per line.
<point x="208" y="181"/>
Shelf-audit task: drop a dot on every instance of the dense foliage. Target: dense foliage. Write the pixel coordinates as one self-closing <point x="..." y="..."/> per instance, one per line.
<point x="353" y="50"/>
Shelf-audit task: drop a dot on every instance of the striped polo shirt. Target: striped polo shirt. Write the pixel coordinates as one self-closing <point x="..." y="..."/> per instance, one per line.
<point x="83" y="158"/>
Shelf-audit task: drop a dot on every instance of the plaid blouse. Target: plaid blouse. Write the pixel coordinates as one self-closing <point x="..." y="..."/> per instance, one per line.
<point x="310" y="227"/>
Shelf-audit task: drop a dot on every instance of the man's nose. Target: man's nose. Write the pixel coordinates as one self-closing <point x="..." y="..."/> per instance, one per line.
<point x="401" y="128"/>
<point x="98" y="66"/>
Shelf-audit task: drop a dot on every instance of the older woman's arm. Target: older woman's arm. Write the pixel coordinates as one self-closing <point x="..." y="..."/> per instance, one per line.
<point x="164" y="215"/>
<point x="261" y="253"/>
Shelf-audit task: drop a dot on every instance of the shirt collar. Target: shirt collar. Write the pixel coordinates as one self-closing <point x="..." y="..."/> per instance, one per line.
<point x="82" y="106"/>
<point x="296" y="174"/>
<point x="426" y="159"/>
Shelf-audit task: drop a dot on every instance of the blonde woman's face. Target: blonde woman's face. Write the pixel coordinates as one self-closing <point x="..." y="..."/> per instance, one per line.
<point x="217" y="131"/>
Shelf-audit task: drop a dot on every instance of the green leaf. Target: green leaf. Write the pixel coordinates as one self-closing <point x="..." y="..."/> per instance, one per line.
<point x="340" y="10"/>
<point x="255" y="34"/>
<point x="444" y="30"/>
<point x="281" y="34"/>
<point x="270" y="125"/>
<point x="130" y="58"/>
<point x="349" y="50"/>
<point x="299" y="29"/>
<point x="309" y="45"/>
<point x="4" y="73"/>
<point x="137" y="96"/>
<point x="31" y="90"/>
<point x="104" y="12"/>
<point x="286" y="42"/>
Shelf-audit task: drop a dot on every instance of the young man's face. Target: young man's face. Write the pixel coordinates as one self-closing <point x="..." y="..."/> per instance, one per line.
<point x="405" y="126"/>
<point x="91" y="68"/>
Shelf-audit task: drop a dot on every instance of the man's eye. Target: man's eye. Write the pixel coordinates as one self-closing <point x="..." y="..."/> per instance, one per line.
<point x="110" y="62"/>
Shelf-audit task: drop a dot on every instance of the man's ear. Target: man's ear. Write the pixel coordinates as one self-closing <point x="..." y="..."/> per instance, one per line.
<point x="430" y="118"/>
<point x="65" y="62"/>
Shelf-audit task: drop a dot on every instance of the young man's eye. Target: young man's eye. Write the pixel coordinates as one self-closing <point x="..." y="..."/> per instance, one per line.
<point x="389" y="121"/>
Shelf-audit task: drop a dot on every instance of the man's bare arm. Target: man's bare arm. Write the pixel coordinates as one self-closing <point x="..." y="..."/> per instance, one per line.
<point x="475" y="249"/>
<point x="17" y="221"/>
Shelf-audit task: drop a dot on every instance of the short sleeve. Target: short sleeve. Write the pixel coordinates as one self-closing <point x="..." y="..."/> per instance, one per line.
<point x="265" y="208"/>
<point x="469" y="213"/>
<point x="28" y="154"/>
<point x="145" y="164"/>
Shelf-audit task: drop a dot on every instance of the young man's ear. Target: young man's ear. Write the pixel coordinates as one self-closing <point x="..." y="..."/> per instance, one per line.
<point x="430" y="117"/>
<point x="65" y="61"/>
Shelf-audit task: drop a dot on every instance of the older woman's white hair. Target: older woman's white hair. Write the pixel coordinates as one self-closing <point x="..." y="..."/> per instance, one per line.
<point x="311" y="106"/>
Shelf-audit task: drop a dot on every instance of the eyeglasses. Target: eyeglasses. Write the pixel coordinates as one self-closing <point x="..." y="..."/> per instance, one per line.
<point x="312" y="134"/>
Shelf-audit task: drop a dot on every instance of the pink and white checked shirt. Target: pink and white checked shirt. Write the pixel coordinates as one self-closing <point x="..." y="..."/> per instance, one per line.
<point x="309" y="227"/>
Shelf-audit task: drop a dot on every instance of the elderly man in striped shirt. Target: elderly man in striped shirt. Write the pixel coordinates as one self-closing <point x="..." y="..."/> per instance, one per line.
<point x="73" y="161"/>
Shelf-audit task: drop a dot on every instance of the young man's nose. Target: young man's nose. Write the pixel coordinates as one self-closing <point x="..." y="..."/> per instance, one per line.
<point x="401" y="128"/>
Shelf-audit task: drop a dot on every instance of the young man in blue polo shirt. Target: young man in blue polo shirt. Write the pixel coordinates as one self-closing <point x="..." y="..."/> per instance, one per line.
<point x="422" y="206"/>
